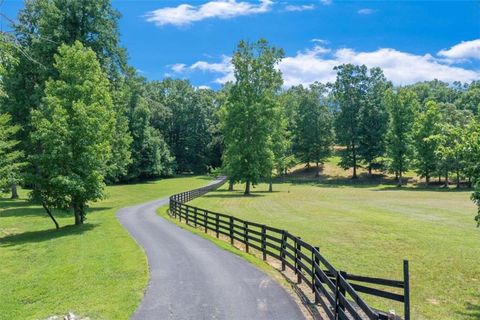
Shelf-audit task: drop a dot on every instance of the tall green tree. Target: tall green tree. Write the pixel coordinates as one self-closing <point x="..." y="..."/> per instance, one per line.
<point x="313" y="134"/>
<point x="73" y="130"/>
<point x="450" y="151"/>
<point x="249" y="113"/>
<point x="373" y="119"/>
<point x="426" y="130"/>
<point x="350" y="91"/>
<point x="402" y="107"/>
<point x="11" y="160"/>
<point x="41" y="27"/>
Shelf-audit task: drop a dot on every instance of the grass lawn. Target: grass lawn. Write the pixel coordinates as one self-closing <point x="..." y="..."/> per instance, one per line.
<point x="369" y="228"/>
<point x="94" y="270"/>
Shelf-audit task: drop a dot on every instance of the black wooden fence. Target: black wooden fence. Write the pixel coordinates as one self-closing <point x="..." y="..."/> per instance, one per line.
<point x="336" y="291"/>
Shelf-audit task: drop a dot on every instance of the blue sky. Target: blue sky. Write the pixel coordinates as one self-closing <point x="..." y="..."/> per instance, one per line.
<point x="410" y="40"/>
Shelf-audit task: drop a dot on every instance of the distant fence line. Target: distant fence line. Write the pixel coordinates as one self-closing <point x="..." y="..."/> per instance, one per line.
<point x="333" y="289"/>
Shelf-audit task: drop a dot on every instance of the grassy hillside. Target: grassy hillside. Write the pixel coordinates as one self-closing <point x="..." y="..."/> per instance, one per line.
<point x="368" y="227"/>
<point x="95" y="270"/>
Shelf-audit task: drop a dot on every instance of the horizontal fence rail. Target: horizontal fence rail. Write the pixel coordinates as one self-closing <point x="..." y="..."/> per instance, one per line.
<point x="337" y="292"/>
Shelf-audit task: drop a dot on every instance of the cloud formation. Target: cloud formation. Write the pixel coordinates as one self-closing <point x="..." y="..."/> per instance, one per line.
<point x="465" y="50"/>
<point x="303" y="7"/>
<point x="186" y="14"/>
<point x="316" y="64"/>
<point x="366" y="11"/>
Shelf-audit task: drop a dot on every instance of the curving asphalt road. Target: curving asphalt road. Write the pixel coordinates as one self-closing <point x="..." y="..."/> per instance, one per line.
<point x="191" y="278"/>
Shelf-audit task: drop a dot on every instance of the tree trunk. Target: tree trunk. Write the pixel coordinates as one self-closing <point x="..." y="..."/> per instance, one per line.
<point x="230" y="186"/>
<point x="458" y="179"/>
<point x="446" y="180"/>
<point x="78" y="214"/>
<point x="427" y="179"/>
<point x="247" y="188"/>
<point x="370" y="169"/>
<point x="49" y="212"/>
<point x="354" y="151"/>
<point x="270" y="186"/>
<point x="399" y="179"/>
<point x="14" y="192"/>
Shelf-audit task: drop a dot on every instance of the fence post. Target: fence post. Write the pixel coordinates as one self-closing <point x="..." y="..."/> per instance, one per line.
<point x="195" y="216"/>
<point x="245" y="236"/>
<point x="342" y="289"/>
<point x="205" y="220"/>
<point x="186" y="213"/>
<point x="406" y="290"/>
<point x="231" y="231"/>
<point x="337" y="297"/>
<point x="283" y="247"/>
<point x="264" y="243"/>
<point x="316" y="261"/>
<point x="180" y="213"/>
<point x="216" y="224"/>
<point x="298" y="268"/>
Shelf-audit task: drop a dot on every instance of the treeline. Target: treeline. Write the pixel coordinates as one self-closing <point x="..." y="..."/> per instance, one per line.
<point x="75" y="116"/>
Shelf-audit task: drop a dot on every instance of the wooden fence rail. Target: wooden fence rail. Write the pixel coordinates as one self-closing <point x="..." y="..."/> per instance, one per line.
<point x="336" y="291"/>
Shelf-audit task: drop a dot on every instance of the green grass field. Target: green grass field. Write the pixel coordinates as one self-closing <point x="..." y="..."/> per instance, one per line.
<point x="368" y="229"/>
<point x="94" y="270"/>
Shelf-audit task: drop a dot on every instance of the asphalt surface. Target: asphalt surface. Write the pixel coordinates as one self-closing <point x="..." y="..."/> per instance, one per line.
<point x="191" y="278"/>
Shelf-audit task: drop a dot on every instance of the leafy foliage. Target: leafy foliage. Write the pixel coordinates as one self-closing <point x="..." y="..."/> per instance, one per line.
<point x="11" y="160"/>
<point x="313" y="134"/>
<point x="402" y="107"/>
<point x="249" y="113"/>
<point x="72" y="132"/>
<point x="350" y="90"/>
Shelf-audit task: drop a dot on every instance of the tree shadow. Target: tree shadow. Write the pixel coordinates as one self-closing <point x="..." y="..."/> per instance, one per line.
<point x="222" y="193"/>
<point x="29" y="209"/>
<point x="337" y="182"/>
<point x="44" y="235"/>
<point x="420" y="188"/>
<point x="471" y="310"/>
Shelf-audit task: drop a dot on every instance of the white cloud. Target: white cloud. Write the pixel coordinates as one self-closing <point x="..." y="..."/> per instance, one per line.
<point x="316" y="64"/>
<point x="303" y="7"/>
<point x="463" y="51"/>
<point x="179" y="67"/>
<point x="326" y="2"/>
<point x="185" y="14"/>
<point x="203" y="88"/>
<point x="366" y="11"/>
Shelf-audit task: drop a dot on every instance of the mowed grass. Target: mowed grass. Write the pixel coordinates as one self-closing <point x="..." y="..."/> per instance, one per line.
<point x="95" y="270"/>
<point x="368" y="229"/>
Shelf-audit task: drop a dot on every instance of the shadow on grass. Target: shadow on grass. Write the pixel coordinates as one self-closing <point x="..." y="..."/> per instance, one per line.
<point x="423" y="188"/>
<point x="471" y="310"/>
<point x="44" y="235"/>
<point x="15" y="208"/>
<point x="222" y="193"/>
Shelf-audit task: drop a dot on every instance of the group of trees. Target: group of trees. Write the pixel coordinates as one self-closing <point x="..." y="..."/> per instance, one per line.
<point x="74" y="116"/>
<point x="430" y="127"/>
